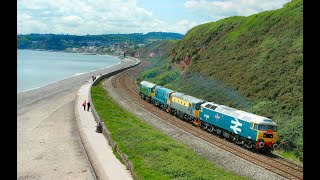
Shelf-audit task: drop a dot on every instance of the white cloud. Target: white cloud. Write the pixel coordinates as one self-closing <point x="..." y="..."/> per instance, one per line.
<point x="85" y="17"/>
<point x="220" y="8"/>
<point x="185" y="25"/>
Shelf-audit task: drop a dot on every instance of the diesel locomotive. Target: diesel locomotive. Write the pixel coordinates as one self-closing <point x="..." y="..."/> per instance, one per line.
<point x="243" y="128"/>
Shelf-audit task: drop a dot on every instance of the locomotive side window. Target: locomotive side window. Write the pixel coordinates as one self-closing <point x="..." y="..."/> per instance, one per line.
<point x="213" y="107"/>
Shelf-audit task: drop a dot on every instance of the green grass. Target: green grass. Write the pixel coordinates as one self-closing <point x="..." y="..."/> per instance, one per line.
<point x="153" y="154"/>
<point x="287" y="155"/>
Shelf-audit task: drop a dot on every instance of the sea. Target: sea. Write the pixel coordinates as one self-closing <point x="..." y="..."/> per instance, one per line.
<point x="36" y="68"/>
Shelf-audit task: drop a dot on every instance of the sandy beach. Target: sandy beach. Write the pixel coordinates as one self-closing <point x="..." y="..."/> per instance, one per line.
<point x="48" y="143"/>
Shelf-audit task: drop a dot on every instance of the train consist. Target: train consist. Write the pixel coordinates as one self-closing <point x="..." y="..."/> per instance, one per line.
<point x="243" y="128"/>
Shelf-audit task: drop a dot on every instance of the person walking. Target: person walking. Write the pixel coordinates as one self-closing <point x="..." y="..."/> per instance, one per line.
<point x="88" y="104"/>
<point x="84" y="104"/>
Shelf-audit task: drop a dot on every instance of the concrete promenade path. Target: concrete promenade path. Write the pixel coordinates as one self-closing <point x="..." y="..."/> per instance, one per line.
<point x="104" y="162"/>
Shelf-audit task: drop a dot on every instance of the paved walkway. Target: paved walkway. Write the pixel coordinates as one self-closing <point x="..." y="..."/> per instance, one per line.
<point x="104" y="162"/>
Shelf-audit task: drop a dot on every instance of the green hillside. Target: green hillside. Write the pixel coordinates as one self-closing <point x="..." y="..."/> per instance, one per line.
<point x="252" y="63"/>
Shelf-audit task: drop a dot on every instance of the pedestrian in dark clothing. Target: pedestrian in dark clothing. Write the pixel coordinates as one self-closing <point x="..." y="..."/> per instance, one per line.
<point x="88" y="104"/>
<point x="99" y="128"/>
<point x="84" y="104"/>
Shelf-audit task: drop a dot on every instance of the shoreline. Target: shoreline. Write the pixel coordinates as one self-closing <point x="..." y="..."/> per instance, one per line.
<point x="75" y="75"/>
<point x="69" y="76"/>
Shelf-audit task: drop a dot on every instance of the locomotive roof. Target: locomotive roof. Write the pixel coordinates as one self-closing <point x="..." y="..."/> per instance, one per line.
<point x="187" y="98"/>
<point x="246" y="116"/>
<point x="164" y="89"/>
<point x="147" y="84"/>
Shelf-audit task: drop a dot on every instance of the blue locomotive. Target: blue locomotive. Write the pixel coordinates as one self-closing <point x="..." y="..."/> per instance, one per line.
<point x="243" y="128"/>
<point x="161" y="97"/>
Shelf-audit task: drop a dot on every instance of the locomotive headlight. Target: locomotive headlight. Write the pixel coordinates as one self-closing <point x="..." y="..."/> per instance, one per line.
<point x="275" y="146"/>
<point x="261" y="144"/>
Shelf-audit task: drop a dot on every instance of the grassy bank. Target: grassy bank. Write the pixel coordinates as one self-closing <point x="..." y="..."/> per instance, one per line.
<point x="288" y="155"/>
<point x="153" y="154"/>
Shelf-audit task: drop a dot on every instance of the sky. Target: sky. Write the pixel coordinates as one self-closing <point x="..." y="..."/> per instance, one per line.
<point x="94" y="17"/>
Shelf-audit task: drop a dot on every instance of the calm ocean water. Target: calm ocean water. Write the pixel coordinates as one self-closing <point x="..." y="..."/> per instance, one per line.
<point x="39" y="68"/>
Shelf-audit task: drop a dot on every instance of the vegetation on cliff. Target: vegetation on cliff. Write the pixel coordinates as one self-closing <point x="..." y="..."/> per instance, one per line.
<point x="252" y="63"/>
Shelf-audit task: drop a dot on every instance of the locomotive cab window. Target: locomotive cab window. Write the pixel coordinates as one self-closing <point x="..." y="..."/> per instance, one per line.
<point x="264" y="127"/>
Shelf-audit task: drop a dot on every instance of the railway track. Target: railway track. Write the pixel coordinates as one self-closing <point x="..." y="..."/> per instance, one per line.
<point x="125" y="84"/>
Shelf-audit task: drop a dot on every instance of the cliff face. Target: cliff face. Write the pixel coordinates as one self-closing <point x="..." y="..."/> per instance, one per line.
<point x="253" y="63"/>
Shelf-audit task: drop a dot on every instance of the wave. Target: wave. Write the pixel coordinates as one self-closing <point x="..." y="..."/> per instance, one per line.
<point x="78" y="74"/>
